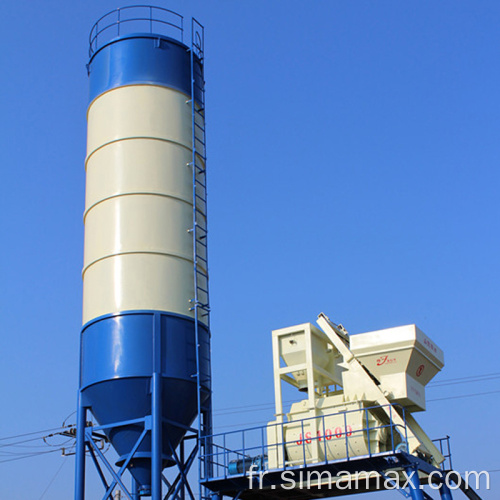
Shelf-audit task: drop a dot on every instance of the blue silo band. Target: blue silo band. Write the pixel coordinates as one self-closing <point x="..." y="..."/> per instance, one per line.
<point x="121" y="346"/>
<point x="143" y="59"/>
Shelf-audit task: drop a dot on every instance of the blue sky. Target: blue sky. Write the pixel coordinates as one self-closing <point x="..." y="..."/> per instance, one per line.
<point x="353" y="154"/>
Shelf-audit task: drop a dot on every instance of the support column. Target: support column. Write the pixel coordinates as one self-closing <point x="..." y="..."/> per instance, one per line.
<point x="182" y="459"/>
<point x="445" y="492"/>
<point x="156" y="410"/>
<point x="133" y="489"/>
<point x="156" y="440"/>
<point x="81" y="420"/>
<point x="414" y="484"/>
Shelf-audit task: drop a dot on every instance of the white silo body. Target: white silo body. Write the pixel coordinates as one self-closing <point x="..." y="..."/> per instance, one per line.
<point x="139" y="203"/>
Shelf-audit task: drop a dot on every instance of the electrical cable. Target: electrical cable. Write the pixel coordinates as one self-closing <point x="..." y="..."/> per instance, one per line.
<point x="53" y="479"/>
<point x="29" y="440"/>
<point x="460" y="396"/>
<point x="221" y="412"/>
<point x="29" y="456"/>
<point x="31" y="433"/>
<point x="266" y="406"/>
<point x="462" y="380"/>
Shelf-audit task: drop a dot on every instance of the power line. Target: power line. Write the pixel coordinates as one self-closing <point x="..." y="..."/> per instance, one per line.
<point x="254" y="408"/>
<point x="28" y="456"/>
<point x="266" y="406"/>
<point x="464" y="396"/>
<point x="11" y="450"/>
<point x="460" y="396"/>
<point x="245" y="406"/>
<point x="53" y="479"/>
<point x="30" y="433"/>
<point x="28" y="440"/>
<point x="466" y="380"/>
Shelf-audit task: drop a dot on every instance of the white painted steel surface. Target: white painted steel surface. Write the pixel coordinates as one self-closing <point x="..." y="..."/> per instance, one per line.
<point x="139" y="203"/>
<point x="331" y="367"/>
<point x="334" y="430"/>
<point x="403" y="359"/>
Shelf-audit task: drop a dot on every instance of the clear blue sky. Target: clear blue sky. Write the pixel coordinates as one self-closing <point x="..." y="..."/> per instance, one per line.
<point x="354" y="169"/>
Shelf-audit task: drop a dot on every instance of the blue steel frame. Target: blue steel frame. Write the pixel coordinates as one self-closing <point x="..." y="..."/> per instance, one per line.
<point x="238" y="445"/>
<point x="152" y="424"/>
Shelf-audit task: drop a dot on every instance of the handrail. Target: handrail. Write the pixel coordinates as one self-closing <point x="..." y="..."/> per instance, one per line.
<point x="123" y="21"/>
<point x="220" y="434"/>
<point x="445" y="451"/>
<point x="251" y="444"/>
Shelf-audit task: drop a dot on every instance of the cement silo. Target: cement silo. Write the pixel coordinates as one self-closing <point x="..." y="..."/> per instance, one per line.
<point x="145" y="342"/>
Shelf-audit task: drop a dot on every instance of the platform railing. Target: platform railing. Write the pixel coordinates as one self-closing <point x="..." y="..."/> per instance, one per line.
<point x="236" y="452"/>
<point x="135" y="19"/>
<point x="445" y="448"/>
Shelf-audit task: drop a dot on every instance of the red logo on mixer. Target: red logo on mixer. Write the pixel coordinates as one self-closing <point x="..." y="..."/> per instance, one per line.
<point x="430" y="345"/>
<point x="385" y="360"/>
<point x="338" y="432"/>
<point x="420" y="370"/>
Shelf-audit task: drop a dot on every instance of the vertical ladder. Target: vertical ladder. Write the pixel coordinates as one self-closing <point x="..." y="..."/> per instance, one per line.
<point x="200" y="302"/>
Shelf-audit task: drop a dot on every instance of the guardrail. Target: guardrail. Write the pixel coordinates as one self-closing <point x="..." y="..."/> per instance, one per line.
<point x="445" y="448"/>
<point x="236" y="452"/>
<point x="135" y="19"/>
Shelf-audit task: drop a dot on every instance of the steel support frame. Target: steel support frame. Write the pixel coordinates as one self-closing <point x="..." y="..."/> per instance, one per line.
<point x="153" y="423"/>
<point x="416" y="490"/>
<point x="409" y="486"/>
<point x="445" y="492"/>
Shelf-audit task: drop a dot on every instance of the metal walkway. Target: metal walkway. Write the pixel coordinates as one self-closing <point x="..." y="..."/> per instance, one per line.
<point x="239" y="467"/>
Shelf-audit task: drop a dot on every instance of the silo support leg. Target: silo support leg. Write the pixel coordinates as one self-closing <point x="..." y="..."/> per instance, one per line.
<point x="156" y="439"/>
<point x="445" y="492"/>
<point x="416" y="491"/>
<point x="81" y="421"/>
<point x="134" y="490"/>
<point x="156" y="411"/>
